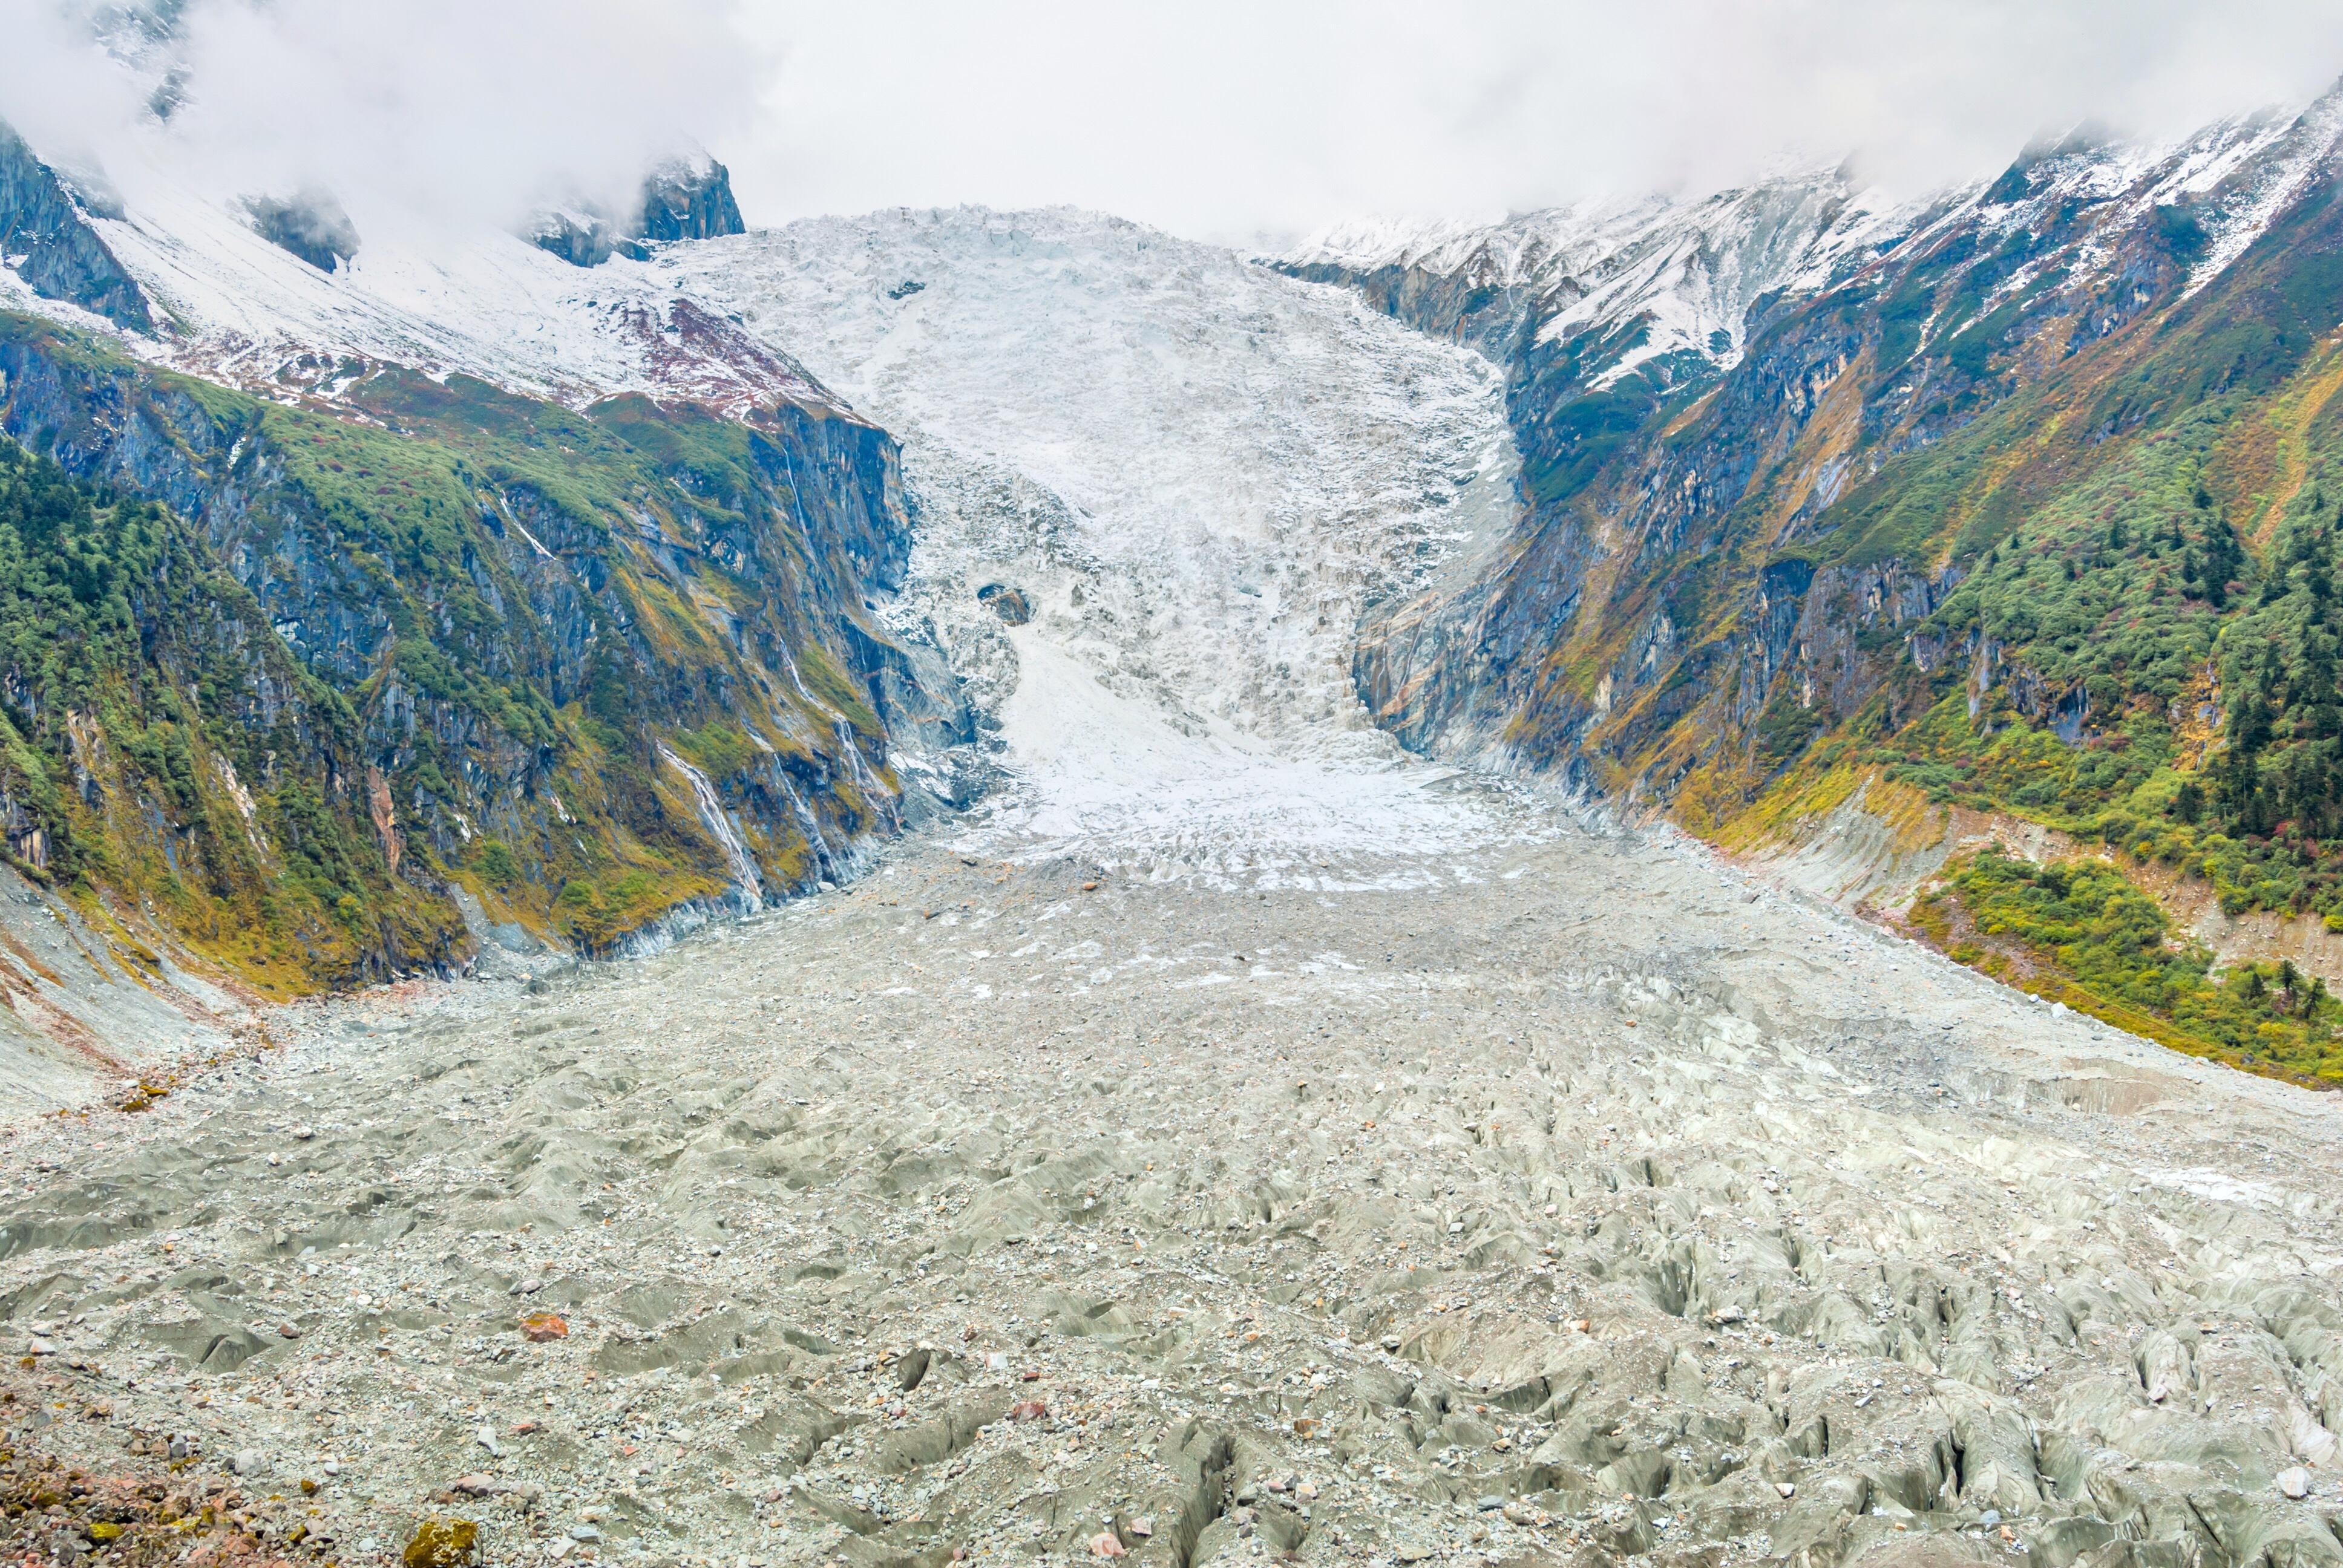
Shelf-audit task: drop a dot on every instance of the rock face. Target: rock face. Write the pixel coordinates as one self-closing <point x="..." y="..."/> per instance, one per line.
<point x="311" y="226"/>
<point x="160" y="738"/>
<point x="580" y="238"/>
<point x="1012" y="606"/>
<point x="682" y="199"/>
<point x="62" y="256"/>
<point x="603" y="696"/>
<point x="604" y="628"/>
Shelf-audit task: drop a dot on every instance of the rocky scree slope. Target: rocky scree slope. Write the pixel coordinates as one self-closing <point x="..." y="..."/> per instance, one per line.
<point x="969" y="1211"/>
<point x="602" y="653"/>
<point x="2013" y="501"/>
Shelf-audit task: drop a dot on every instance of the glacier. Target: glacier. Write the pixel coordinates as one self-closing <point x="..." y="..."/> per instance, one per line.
<point x="1199" y="472"/>
<point x="1201" y="469"/>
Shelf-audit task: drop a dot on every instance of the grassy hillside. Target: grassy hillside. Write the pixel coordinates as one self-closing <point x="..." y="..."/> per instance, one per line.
<point x="2077" y="931"/>
<point x="502" y="630"/>
<point x="2010" y="519"/>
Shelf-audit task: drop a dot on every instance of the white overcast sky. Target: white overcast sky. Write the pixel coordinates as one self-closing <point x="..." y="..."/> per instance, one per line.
<point x="1212" y="118"/>
<point x="1220" y="119"/>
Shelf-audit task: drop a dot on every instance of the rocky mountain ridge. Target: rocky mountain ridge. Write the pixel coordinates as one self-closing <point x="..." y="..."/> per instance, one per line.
<point x="682" y="198"/>
<point x="599" y="619"/>
<point x="1956" y="513"/>
<point x="53" y="246"/>
<point x="1763" y="442"/>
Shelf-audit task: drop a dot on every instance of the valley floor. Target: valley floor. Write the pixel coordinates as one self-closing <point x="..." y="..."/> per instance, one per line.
<point x="1243" y="1141"/>
<point x="1562" y="1198"/>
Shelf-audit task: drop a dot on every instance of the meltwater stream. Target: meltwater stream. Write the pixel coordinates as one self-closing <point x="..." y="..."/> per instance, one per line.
<point x="1197" y="473"/>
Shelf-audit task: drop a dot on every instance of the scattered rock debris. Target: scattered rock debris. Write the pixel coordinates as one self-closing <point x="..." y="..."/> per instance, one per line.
<point x="1014" y="1234"/>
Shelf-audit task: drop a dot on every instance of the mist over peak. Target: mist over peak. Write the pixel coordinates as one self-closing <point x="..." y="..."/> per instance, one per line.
<point x="423" y="116"/>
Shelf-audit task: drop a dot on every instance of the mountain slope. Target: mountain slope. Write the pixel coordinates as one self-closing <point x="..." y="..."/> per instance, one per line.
<point x="548" y="621"/>
<point x="54" y="249"/>
<point x="1984" y="503"/>
<point x="159" y="739"/>
<point x="588" y="571"/>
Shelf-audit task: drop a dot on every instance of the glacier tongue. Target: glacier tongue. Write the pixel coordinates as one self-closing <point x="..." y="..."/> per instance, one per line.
<point x="1197" y="472"/>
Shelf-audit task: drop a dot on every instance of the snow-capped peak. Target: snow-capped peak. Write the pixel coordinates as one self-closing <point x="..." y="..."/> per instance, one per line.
<point x="1683" y="272"/>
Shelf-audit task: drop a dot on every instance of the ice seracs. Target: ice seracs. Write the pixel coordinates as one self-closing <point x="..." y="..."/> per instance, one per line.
<point x="1197" y="473"/>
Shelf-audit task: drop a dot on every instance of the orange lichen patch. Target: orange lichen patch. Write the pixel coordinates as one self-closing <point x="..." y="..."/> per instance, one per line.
<point x="2195" y="716"/>
<point x="1913" y="821"/>
<point x="442" y="1544"/>
<point x="1715" y="794"/>
<point x="1799" y="797"/>
<point x="537" y="1328"/>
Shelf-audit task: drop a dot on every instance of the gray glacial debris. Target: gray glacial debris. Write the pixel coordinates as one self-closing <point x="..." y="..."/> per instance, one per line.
<point x="1548" y="1203"/>
<point x="81" y="1008"/>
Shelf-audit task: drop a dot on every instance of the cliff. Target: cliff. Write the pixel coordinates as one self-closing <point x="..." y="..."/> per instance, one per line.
<point x="599" y="667"/>
<point x="50" y="245"/>
<point x="2015" y="500"/>
<point x="682" y="198"/>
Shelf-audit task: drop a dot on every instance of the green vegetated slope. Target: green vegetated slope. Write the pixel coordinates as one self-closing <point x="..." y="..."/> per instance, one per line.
<point x="163" y="753"/>
<point x="2136" y="643"/>
<point x="2008" y="521"/>
<point x="282" y="681"/>
<point x="2077" y="931"/>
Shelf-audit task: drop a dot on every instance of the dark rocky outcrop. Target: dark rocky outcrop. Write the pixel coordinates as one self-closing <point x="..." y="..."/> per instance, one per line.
<point x="681" y="200"/>
<point x="1484" y="308"/>
<point x="310" y="224"/>
<point x="687" y="200"/>
<point x="46" y="234"/>
<point x="581" y="238"/>
<point x="1010" y="605"/>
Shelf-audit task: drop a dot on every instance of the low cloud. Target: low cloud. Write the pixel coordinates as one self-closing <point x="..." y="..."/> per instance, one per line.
<point x="442" y="112"/>
<point x="1218" y="118"/>
<point x="1225" y="118"/>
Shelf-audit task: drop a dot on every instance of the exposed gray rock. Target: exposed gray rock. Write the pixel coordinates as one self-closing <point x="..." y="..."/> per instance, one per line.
<point x="581" y="237"/>
<point x="681" y="199"/>
<point x="1013" y="606"/>
<point x="310" y="224"/>
<point x="46" y="236"/>
<point x="688" y="199"/>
